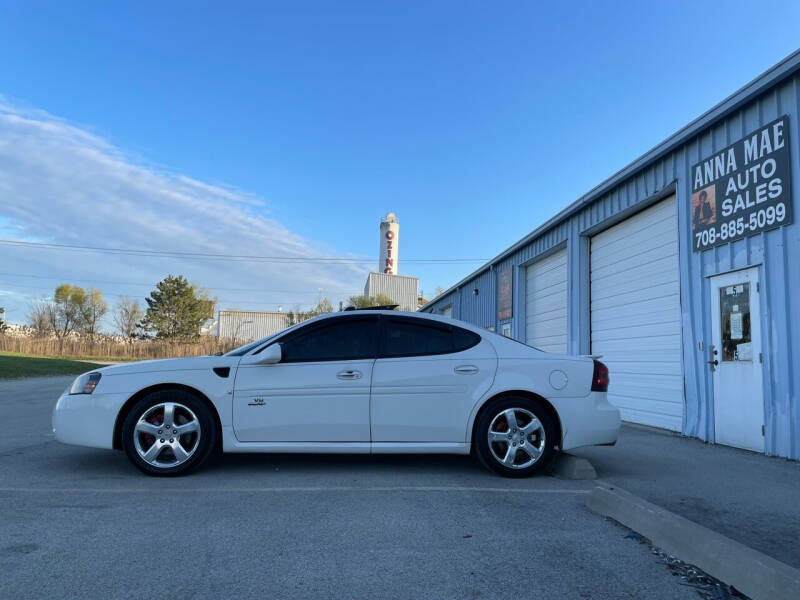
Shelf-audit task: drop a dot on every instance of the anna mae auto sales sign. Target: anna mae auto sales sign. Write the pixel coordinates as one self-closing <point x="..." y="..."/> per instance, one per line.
<point x="743" y="189"/>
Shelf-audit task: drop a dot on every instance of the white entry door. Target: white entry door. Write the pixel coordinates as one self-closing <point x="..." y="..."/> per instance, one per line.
<point x="736" y="350"/>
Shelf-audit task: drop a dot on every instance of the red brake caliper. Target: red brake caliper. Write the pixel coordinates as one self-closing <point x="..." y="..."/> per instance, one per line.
<point x="150" y="439"/>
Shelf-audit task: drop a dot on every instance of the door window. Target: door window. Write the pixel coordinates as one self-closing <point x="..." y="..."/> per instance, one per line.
<point x="414" y="337"/>
<point x="734" y="309"/>
<point x="344" y="339"/>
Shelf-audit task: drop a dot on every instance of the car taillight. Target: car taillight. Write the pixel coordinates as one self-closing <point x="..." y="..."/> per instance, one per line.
<point x="600" y="377"/>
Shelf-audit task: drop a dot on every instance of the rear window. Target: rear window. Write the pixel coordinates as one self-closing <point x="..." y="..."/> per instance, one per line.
<point x="463" y="339"/>
<point x="415" y="337"/>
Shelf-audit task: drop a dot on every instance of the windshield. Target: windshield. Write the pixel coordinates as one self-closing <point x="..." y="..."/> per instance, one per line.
<point x="242" y="350"/>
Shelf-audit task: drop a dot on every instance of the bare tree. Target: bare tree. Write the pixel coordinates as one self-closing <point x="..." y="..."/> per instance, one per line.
<point x="39" y="318"/>
<point x="127" y="315"/>
<point x="93" y="309"/>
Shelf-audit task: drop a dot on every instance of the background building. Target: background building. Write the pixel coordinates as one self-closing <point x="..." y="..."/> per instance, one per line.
<point x="681" y="270"/>
<point x="245" y="326"/>
<point x="400" y="288"/>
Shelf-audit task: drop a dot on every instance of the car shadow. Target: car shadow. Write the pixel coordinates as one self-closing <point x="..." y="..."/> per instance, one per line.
<point x="337" y="463"/>
<point x="89" y="464"/>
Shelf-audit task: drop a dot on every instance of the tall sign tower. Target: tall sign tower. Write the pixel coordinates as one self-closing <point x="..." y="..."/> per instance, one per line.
<point x="390" y="234"/>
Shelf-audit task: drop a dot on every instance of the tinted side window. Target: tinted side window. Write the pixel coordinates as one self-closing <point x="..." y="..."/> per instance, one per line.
<point x="463" y="339"/>
<point x="348" y="339"/>
<point x="409" y="338"/>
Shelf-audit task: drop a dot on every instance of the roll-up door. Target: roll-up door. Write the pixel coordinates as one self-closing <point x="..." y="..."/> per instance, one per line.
<point x="635" y="315"/>
<point x="546" y="303"/>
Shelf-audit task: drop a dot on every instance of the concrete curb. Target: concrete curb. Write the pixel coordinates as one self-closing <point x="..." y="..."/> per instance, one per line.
<point x="567" y="466"/>
<point x="752" y="573"/>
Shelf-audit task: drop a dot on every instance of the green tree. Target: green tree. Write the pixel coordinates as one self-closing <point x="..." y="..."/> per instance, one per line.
<point x="322" y="307"/>
<point x="368" y="301"/>
<point x="3" y="324"/>
<point x="64" y="312"/>
<point x="93" y="309"/>
<point x="176" y="309"/>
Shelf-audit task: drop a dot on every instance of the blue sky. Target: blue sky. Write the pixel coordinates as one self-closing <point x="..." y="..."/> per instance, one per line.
<point x="291" y="128"/>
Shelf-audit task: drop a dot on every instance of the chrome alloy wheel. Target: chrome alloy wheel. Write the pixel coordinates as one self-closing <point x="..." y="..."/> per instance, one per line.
<point x="166" y="435"/>
<point x="516" y="438"/>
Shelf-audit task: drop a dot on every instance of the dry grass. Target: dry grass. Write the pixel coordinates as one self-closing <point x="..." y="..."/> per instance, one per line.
<point x="110" y="349"/>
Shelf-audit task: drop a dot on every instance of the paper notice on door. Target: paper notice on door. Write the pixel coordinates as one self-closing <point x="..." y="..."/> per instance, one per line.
<point x="736" y="325"/>
<point x="744" y="351"/>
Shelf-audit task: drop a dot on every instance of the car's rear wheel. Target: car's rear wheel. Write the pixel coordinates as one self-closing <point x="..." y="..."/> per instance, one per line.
<point x="169" y="432"/>
<point x="515" y="437"/>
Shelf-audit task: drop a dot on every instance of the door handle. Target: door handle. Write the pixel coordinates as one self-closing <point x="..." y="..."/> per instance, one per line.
<point x="713" y="362"/>
<point x="466" y="369"/>
<point x="349" y="374"/>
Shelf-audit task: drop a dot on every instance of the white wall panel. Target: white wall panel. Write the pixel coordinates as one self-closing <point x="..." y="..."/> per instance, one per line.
<point x="546" y="303"/>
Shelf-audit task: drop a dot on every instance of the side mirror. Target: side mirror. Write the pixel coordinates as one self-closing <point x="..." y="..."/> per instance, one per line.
<point x="268" y="356"/>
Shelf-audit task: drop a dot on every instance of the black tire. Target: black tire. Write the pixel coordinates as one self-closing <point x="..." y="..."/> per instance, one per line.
<point x="202" y="446"/>
<point x="522" y="406"/>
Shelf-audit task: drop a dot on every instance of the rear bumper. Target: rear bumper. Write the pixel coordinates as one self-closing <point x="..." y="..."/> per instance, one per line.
<point x="588" y="421"/>
<point x="86" y="419"/>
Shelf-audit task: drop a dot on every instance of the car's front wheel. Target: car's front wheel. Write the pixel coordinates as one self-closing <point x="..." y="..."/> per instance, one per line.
<point x="515" y="437"/>
<point x="169" y="432"/>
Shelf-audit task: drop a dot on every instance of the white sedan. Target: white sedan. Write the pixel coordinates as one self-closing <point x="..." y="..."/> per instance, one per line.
<point x="369" y="381"/>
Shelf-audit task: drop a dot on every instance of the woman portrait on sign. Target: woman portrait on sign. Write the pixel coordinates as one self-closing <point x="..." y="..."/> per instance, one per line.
<point x="704" y="209"/>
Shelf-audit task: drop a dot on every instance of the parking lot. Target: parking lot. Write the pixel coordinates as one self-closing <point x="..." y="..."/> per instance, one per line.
<point x="82" y="522"/>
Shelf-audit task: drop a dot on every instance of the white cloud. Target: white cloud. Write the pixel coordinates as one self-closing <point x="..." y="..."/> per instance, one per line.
<point x="61" y="183"/>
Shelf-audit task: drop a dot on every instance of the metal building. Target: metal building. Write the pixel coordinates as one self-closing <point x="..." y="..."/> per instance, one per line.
<point x="400" y="288"/>
<point x="679" y="270"/>
<point x="245" y="326"/>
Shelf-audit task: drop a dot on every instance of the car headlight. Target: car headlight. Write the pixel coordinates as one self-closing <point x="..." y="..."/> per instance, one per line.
<point x="85" y="384"/>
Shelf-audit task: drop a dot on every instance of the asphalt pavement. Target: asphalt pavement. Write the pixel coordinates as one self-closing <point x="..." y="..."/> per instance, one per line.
<point x="78" y="522"/>
<point x="746" y="496"/>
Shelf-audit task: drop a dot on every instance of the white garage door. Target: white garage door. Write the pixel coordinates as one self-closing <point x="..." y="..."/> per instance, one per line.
<point x="635" y="315"/>
<point x="546" y="303"/>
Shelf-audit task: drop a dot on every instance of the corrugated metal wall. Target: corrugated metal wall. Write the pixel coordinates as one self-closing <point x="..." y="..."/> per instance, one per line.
<point x="246" y="326"/>
<point x="776" y="253"/>
<point x="400" y="288"/>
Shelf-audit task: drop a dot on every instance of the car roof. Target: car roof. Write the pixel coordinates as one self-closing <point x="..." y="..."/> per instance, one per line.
<point x="390" y="313"/>
<point x="402" y="313"/>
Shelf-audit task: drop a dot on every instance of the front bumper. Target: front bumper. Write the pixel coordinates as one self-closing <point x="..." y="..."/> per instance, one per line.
<point x="87" y="419"/>
<point x="589" y="421"/>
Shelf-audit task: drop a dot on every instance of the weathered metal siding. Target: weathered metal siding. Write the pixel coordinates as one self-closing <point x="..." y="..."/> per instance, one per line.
<point x="481" y="309"/>
<point x="246" y="326"/>
<point x="776" y="254"/>
<point x="400" y="288"/>
<point x="442" y="303"/>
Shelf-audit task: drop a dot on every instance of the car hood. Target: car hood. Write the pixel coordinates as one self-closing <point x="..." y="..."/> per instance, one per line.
<point x="194" y="363"/>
